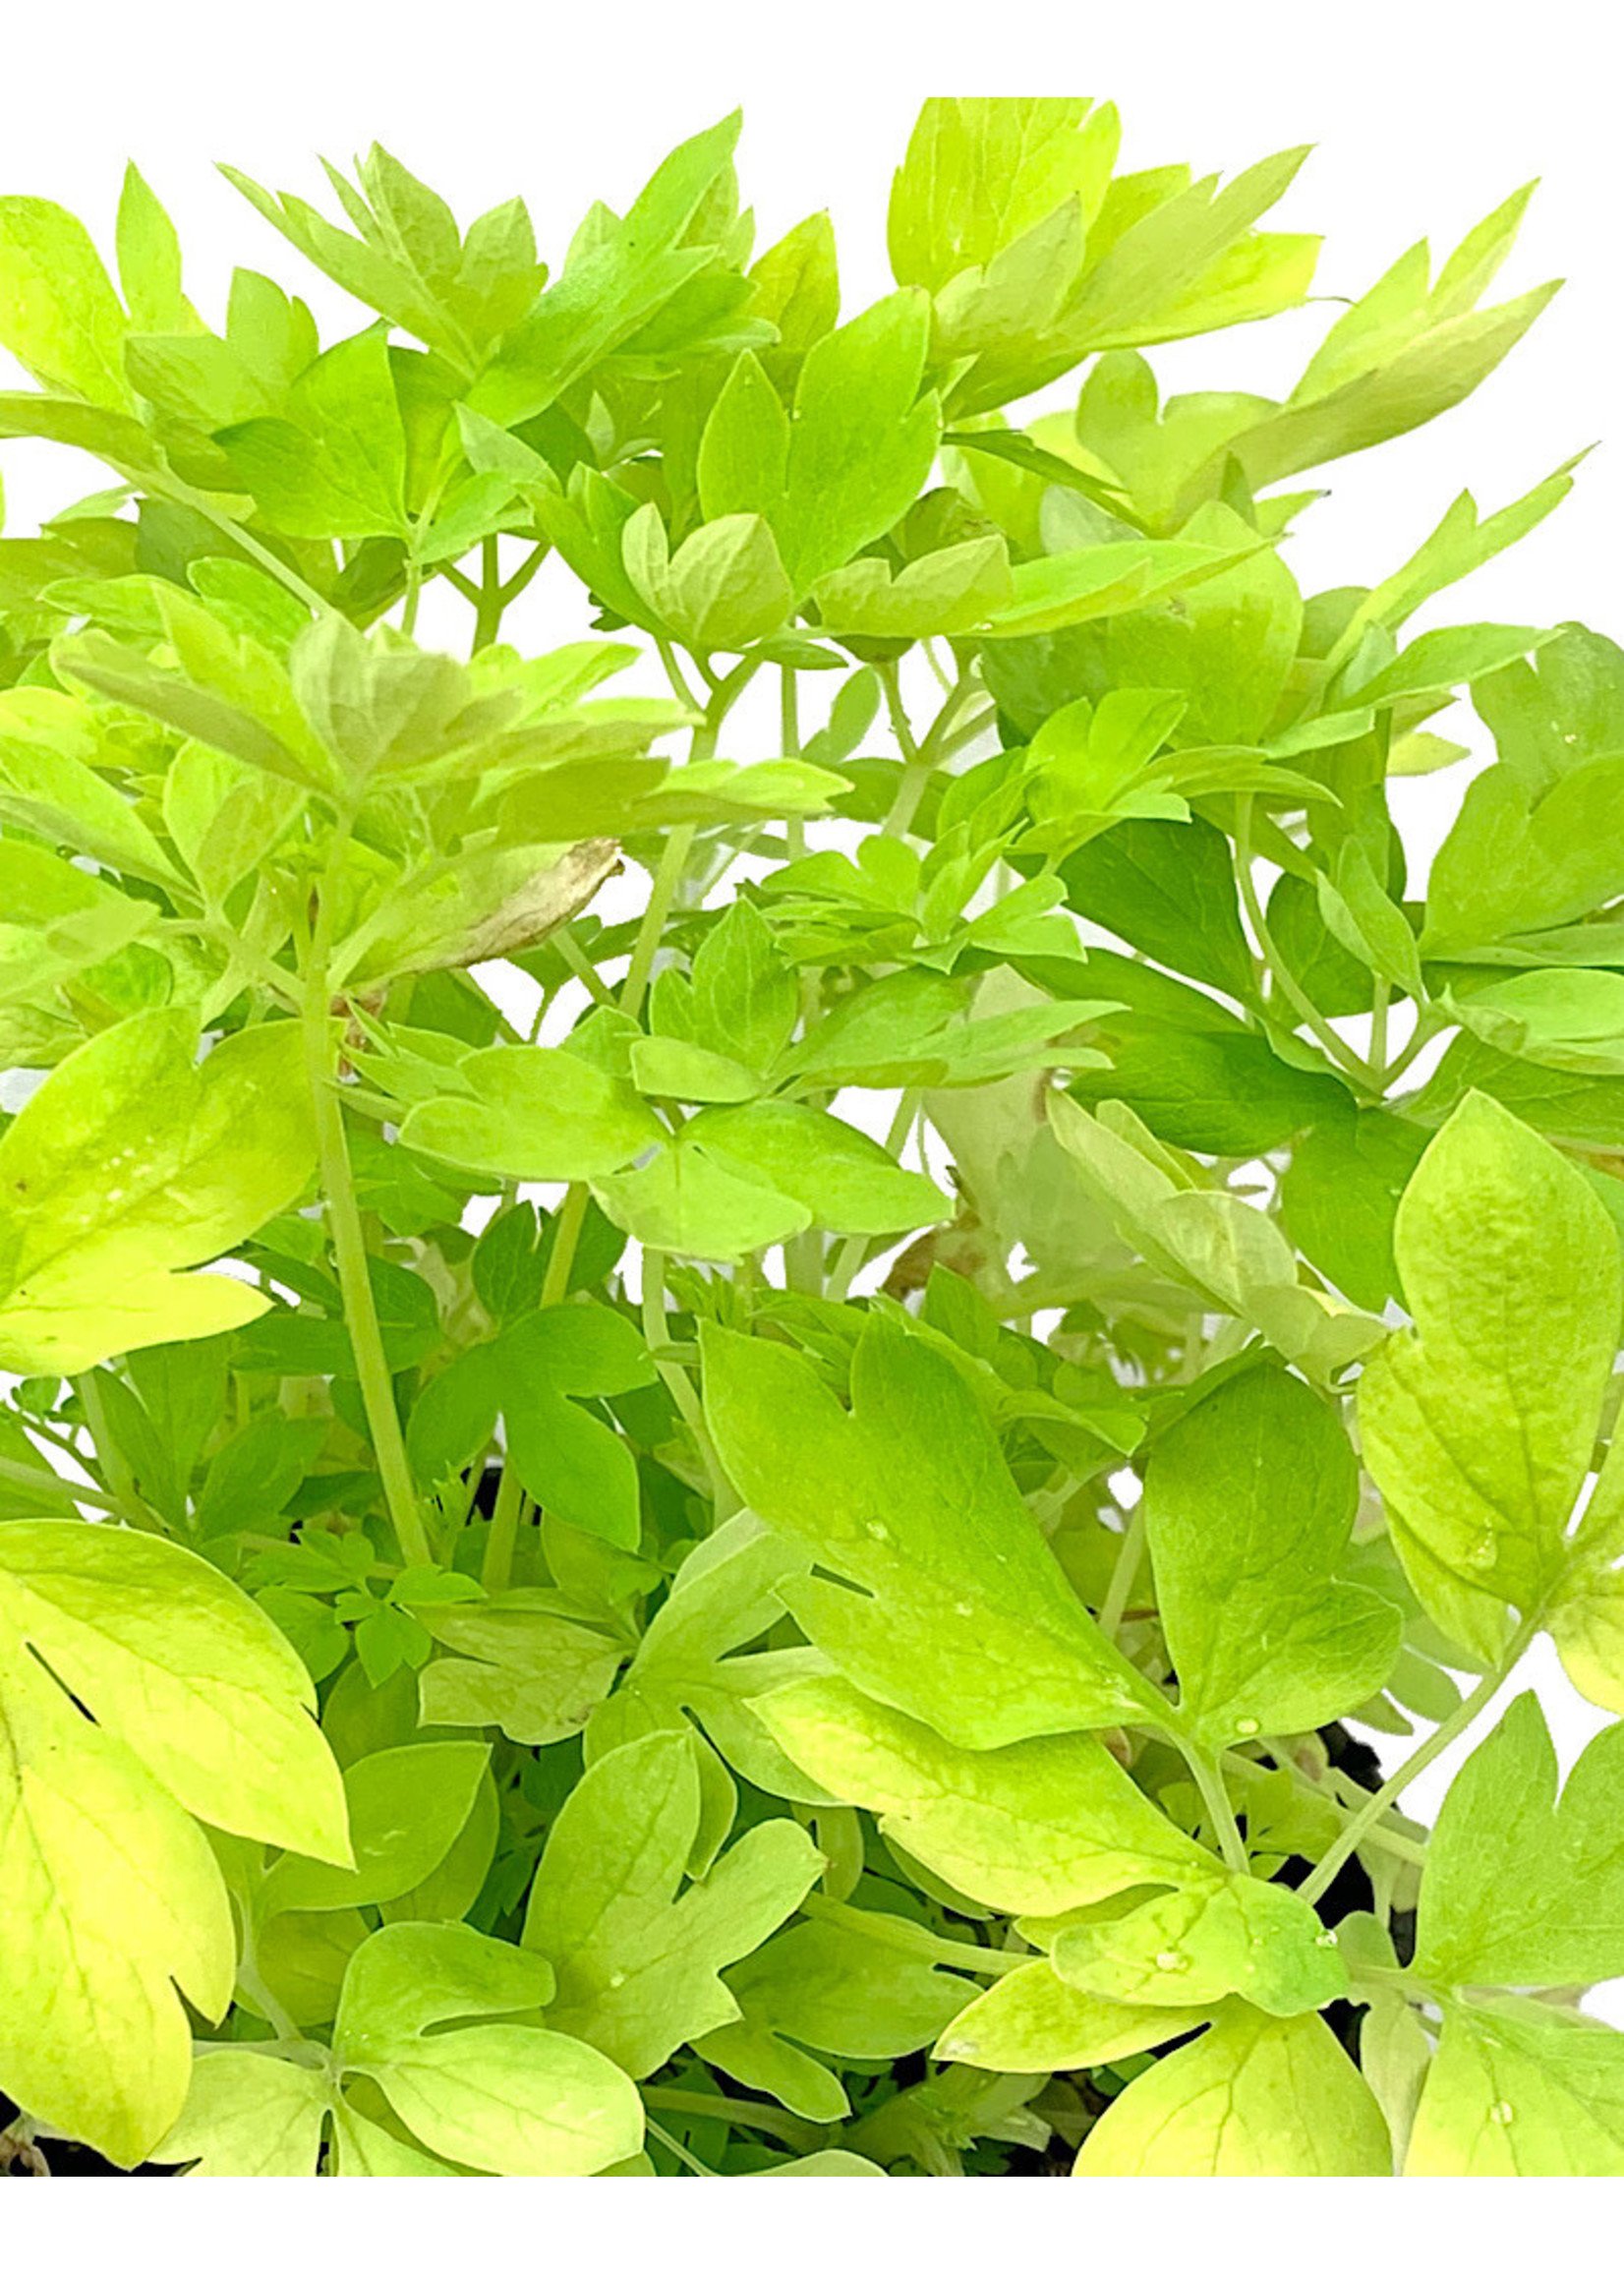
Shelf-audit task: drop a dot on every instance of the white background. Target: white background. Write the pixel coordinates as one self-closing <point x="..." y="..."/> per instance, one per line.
<point x="1425" y="115"/>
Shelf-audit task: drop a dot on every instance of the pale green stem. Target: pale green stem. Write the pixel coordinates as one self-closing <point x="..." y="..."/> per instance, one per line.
<point x="571" y="1216"/>
<point x="1124" y="1572"/>
<point x="1209" y="1783"/>
<point x="848" y="1259"/>
<point x="1442" y="1737"/>
<point x="348" y="1237"/>
<point x="1308" y="1012"/>
<point x="497" y="1570"/>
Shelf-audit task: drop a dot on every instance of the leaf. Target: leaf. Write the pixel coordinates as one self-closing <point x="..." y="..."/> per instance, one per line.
<point x="1253" y="2098"/>
<point x="1522" y="1890"/>
<point x="850" y="457"/>
<point x="533" y="1676"/>
<point x="946" y="1602"/>
<point x="534" y="1114"/>
<point x="1095" y="581"/>
<point x="859" y="1985"/>
<point x="982" y="170"/>
<point x="59" y="314"/>
<point x="1228" y="642"/>
<point x="1210" y="1240"/>
<point x="497" y="2095"/>
<point x="1032" y="2023"/>
<point x="1519" y="859"/>
<point x="1241" y="1937"/>
<point x="941" y="593"/>
<point x="192" y="1706"/>
<point x="565" y="1456"/>
<point x="693" y="1657"/>
<point x="724" y="587"/>
<point x="844" y="1180"/>
<point x="49" y="751"/>
<point x="133" y="1162"/>
<point x="1520" y="2090"/>
<point x="406" y="1807"/>
<point x="248" y="2116"/>
<point x="1041" y="1826"/>
<point x="1478" y="1422"/>
<point x="639" y="1963"/>
<point x="1248" y="1504"/>
<point x="334" y="465"/>
<point x="1168" y="889"/>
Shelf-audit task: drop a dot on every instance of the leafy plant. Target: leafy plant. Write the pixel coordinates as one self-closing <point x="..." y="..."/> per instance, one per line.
<point x="565" y="1607"/>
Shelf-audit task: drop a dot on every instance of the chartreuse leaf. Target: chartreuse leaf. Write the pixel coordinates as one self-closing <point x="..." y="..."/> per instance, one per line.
<point x="638" y="1962"/>
<point x="131" y="1163"/>
<point x="1523" y="1889"/>
<point x="536" y="1114"/>
<point x="192" y="1706"/>
<point x="1249" y="1507"/>
<point x="1478" y="1422"/>
<point x="335" y="463"/>
<point x="59" y="314"/>
<point x="1208" y="1240"/>
<point x="406" y="1807"/>
<point x="861" y="1985"/>
<point x="832" y="474"/>
<point x="693" y="1658"/>
<point x="247" y="2116"/>
<point x="519" y="1668"/>
<point x="534" y="1373"/>
<point x="1031" y="2022"/>
<point x="1254" y="2097"/>
<point x="1241" y="1937"/>
<point x="1521" y="2090"/>
<point x="496" y="2095"/>
<point x="50" y="749"/>
<point x="944" y="1599"/>
<point x="1042" y="1826"/>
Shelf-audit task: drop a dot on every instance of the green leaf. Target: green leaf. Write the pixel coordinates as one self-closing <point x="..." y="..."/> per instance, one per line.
<point x="497" y="2095"/>
<point x="1521" y="859"/>
<point x="1241" y="1937"/>
<point x="1253" y="2098"/>
<point x="1168" y="889"/>
<point x="843" y="1179"/>
<point x="1250" y="1503"/>
<point x="857" y="1984"/>
<point x="1522" y="1890"/>
<point x="1041" y="1826"/>
<point x="535" y="1114"/>
<point x="852" y="457"/>
<point x="724" y="587"/>
<point x="982" y="170"/>
<point x="941" y="593"/>
<point x="334" y="465"/>
<point x="1227" y="643"/>
<point x="565" y="1456"/>
<point x="59" y="314"/>
<point x="1210" y="1240"/>
<point x="406" y="1806"/>
<point x="1031" y="2022"/>
<point x="946" y="1601"/>
<point x="638" y="1962"/>
<point x="248" y="2116"/>
<point x="131" y="1163"/>
<point x="1478" y="1422"/>
<point x="189" y="1704"/>
<point x="49" y="752"/>
<point x="1520" y="2090"/>
<point x="519" y="1668"/>
<point x="693" y="1657"/>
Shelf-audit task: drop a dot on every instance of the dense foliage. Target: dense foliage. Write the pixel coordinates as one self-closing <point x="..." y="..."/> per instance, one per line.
<point x="627" y="1624"/>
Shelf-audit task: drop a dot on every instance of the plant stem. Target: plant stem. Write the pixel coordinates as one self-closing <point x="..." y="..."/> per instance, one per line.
<point x="497" y="1570"/>
<point x="1124" y="1572"/>
<point x="1442" y="1737"/>
<point x="682" y="2154"/>
<point x="487" y="614"/>
<point x="1329" y="1040"/>
<point x="794" y="2130"/>
<point x="667" y="878"/>
<point x="349" y="1240"/>
<point x="20" y="1474"/>
<point x="848" y="1259"/>
<point x="1209" y="1783"/>
<point x="571" y="1216"/>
